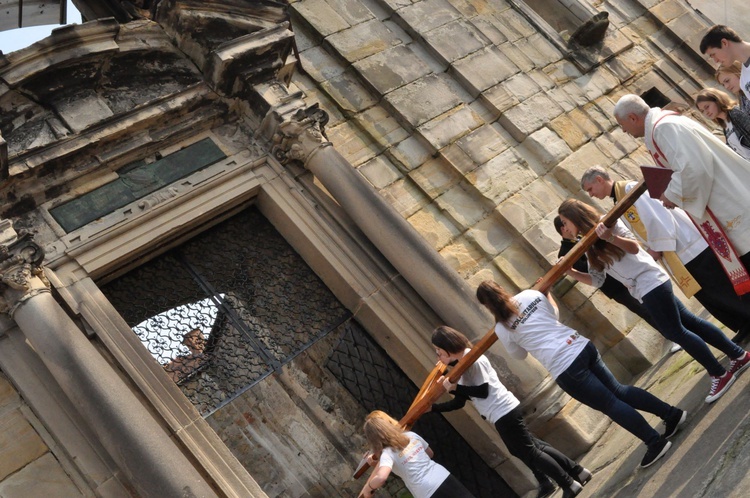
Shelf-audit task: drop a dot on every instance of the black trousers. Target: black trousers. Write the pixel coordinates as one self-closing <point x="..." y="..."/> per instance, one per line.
<point x="452" y="488"/>
<point x="540" y="458"/>
<point x="717" y="292"/>
<point x="616" y="291"/>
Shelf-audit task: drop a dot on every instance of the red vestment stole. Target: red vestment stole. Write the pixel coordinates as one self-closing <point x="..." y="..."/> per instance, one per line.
<point x="711" y="230"/>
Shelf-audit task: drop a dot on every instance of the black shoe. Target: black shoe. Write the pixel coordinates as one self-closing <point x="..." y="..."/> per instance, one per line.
<point x="584" y="476"/>
<point x="546" y="489"/>
<point x="573" y="490"/>
<point x="673" y="423"/>
<point x="655" y="452"/>
<point x="741" y="336"/>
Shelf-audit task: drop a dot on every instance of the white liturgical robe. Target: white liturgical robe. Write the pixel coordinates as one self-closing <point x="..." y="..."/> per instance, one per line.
<point x="706" y="173"/>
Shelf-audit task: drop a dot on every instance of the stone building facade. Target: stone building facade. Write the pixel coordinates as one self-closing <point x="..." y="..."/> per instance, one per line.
<point x="401" y="151"/>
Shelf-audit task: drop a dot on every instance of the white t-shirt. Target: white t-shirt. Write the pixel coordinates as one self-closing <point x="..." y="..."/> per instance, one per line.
<point x="419" y="472"/>
<point x="638" y="272"/>
<point x="733" y="141"/>
<point x="537" y="331"/>
<point x="500" y="401"/>
<point x="745" y="79"/>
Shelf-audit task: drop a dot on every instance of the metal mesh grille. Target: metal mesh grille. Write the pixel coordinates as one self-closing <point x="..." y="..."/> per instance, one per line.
<point x="226" y="308"/>
<point x="378" y="384"/>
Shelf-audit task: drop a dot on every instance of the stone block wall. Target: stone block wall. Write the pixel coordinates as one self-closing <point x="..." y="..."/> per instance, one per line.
<point x="475" y="122"/>
<point x="24" y="455"/>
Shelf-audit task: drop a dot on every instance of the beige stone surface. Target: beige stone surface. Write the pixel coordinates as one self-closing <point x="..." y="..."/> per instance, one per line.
<point x="463" y="206"/>
<point x="502" y="176"/>
<point x="380" y="172"/>
<point x="352" y="143"/>
<point x="451" y="126"/>
<point x="382" y="127"/>
<point x="463" y="256"/>
<point x="490" y="235"/>
<point x="483" y="144"/>
<point x="412" y="152"/>
<point x="530" y="115"/>
<point x="321" y="15"/>
<point x="42" y="478"/>
<point x="547" y="147"/>
<point x="434" y="226"/>
<point x="568" y="130"/>
<point x="8" y="395"/>
<point x="483" y="69"/>
<point x="405" y="196"/>
<point x="19" y="443"/>
<point x="519" y="266"/>
<point x="363" y="40"/>
<point x="455" y="40"/>
<point x="435" y="177"/>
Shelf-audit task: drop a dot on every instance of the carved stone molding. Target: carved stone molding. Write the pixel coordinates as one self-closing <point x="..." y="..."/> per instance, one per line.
<point x="299" y="135"/>
<point x="21" y="272"/>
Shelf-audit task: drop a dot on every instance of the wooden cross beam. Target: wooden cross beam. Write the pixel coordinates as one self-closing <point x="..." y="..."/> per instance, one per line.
<point x="431" y="390"/>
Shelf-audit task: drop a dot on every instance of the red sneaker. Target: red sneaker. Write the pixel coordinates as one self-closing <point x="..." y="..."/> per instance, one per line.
<point x="719" y="386"/>
<point x="740" y="364"/>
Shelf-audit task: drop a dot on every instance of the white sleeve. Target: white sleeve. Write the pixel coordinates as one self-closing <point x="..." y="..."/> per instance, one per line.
<point x="386" y="459"/>
<point x="692" y="166"/>
<point x="514" y="350"/>
<point x="660" y="225"/>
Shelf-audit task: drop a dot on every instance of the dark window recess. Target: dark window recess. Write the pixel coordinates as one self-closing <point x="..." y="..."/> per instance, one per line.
<point x="226" y="309"/>
<point x="136" y="180"/>
<point x="654" y="98"/>
<point x="374" y="380"/>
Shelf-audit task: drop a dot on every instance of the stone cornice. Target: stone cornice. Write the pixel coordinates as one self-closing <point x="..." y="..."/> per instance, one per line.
<point x="75" y="41"/>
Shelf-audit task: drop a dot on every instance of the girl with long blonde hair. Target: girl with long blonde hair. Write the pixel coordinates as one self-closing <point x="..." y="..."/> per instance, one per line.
<point x="408" y="456"/>
<point x="729" y="78"/>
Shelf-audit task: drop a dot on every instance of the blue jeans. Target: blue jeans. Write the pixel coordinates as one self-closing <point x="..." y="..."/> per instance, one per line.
<point x="679" y="325"/>
<point x="589" y="381"/>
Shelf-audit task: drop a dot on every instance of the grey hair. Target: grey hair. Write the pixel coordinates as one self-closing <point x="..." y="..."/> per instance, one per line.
<point x="631" y="104"/>
<point x="593" y="172"/>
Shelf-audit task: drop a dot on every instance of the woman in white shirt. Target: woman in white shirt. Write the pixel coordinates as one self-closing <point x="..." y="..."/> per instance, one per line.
<point x="480" y="385"/>
<point x="724" y="111"/>
<point x="527" y="324"/>
<point x="618" y="254"/>
<point x="409" y="457"/>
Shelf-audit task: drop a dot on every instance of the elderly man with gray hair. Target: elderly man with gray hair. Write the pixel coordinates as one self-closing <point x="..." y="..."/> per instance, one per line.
<point x="670" y="237"/>
<point x="709" y="180"/>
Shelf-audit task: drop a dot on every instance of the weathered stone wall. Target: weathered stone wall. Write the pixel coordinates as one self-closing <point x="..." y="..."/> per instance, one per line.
<point x="475" y="122"/>
<point x="471" y="118"/>
<point x="24" y="454"/>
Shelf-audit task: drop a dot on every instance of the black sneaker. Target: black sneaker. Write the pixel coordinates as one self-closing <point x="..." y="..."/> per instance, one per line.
<point x="546" y="489"/>
<point x="573" y="490"/>
<point x="673" y="423"/>
<point x="655" y="452"/>
<point x="584" y="476"/>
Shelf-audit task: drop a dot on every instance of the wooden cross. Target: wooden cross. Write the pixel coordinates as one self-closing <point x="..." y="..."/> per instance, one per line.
<point x="432" y="390"/>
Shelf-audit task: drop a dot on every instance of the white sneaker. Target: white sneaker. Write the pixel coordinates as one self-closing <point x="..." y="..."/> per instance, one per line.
<point x="675" y="347"/>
